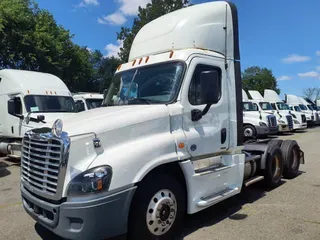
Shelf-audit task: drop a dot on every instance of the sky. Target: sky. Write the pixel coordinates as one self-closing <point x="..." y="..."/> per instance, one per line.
<point x="283" y="36"/>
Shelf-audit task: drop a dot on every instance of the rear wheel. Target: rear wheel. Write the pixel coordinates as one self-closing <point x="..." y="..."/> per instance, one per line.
<point x="274" y="167"/>
<point x="157" y="209"/>
<point x="291" y="154"/>
<point x="249" y="131"/>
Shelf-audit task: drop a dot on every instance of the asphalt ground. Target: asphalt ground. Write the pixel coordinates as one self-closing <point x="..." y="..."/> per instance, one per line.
<point x="289" y="212"/>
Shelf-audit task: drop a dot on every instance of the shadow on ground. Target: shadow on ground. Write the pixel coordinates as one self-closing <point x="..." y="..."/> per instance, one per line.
<point x="4" y="169"/>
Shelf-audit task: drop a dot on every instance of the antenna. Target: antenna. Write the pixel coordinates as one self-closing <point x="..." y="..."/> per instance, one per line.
<point x="225" y="39"/>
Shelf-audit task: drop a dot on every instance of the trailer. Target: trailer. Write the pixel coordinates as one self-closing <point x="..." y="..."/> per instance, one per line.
<point x="172" y="145"/>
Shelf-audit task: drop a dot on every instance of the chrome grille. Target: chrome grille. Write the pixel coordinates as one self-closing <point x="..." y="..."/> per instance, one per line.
<point x="303" y="118"/>
<point x="272" y="121"/>
<point x="290" y="121"/>
<point x="317" y="116"/>
<point x="43" y="163"/>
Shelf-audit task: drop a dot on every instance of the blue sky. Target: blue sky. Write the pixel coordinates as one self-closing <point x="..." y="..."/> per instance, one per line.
<point x="281" y="35"/>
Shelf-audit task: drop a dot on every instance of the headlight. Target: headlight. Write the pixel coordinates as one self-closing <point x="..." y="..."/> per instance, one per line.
<point x="293" y="115"/>
<point x="91" y="181"/>
<point x="262" y="124"/>
<point x="296" y="121"/>
<point x="308" y="118"/>
<point x="281" y="121"/>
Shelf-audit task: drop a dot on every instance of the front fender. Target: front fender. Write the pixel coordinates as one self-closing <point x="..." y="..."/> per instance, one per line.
<point x="132" y="160"/>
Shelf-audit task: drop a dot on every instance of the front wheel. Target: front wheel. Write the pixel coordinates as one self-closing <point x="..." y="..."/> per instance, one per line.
<point x="249" y="131"/>
<point x="157" y="209"/>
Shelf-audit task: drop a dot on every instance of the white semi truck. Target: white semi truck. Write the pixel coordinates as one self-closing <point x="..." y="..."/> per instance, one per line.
<point x="29" y="100"/>
<point x="295" y="103"/>
<point x="283" y="109"/>
<point x="255" y="122"/>
<point x="312" y="107"/>
<point x="173" y="145"/>
<point x="285" y="121"/>
<point x="86" y="101"/>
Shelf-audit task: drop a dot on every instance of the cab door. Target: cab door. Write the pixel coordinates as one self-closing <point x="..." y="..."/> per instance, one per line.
<point x="211" y="133"/>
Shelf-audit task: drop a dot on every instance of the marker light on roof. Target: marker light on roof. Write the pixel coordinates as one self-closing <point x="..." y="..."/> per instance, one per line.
<point x="134" y="62"/>
<point x="140" y="60"/>
<point x="147" y="59"/>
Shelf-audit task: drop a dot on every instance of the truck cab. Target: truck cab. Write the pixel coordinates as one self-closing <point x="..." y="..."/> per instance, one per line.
<point x="285" y="122"/>
<point x="87" y="101"/>
<point x="299" y="119"/>
<point x="255" y="122"/>
<point x="295" y="103"/>
<point x="29" y="100"/>
<point x="170" y="143"/>
<point x="312" y="106"/>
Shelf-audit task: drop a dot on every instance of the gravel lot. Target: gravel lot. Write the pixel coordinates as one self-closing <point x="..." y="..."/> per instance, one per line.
<point x="291" y="211"/>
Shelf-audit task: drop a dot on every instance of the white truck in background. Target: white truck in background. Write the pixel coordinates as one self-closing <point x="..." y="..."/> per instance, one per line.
<point x="255" y="122"/>
<point x="313" y="107"/>
<point x="299" y="118"/>
<point x="295" y="103"/>
<point x="172" y="146"/>
<point x="28" y="100"/>
<point x="285" y="121"/>
<point x="85" y="101"/>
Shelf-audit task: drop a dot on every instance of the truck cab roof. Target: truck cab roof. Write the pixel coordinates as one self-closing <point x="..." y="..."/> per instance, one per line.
<point x="30" y="82"/>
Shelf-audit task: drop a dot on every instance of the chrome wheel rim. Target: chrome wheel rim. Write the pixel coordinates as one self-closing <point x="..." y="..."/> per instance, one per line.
<point x="248" y="132"/>
<point x="161" y="212"/>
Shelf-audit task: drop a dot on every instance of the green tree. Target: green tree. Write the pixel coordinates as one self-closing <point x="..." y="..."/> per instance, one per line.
<point x="152" y="11"/>
<point x="256" y="78"/>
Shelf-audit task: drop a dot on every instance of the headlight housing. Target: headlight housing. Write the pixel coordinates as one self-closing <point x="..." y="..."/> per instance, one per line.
<point x="281" y="121"/>
<point x="296" y="121"/>
<point x="94" y="180"/>
<point x="262" y="124"/>
<point x="293" y="115"/>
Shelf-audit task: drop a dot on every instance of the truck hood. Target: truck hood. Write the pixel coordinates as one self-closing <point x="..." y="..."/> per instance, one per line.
<point x="104" y="119"/>
<point x="49" y="119"/>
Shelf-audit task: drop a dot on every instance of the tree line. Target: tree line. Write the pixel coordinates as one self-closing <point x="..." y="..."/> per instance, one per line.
<point x="30" y="39"/>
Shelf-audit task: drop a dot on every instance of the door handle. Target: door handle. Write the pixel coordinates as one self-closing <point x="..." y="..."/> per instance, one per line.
<point x="223" y="135"/>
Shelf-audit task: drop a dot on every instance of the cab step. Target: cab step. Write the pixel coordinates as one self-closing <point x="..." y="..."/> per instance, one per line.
<point x="253" y="180"/>
<point x="217" y="197"/>
<point x="14" y="156"/>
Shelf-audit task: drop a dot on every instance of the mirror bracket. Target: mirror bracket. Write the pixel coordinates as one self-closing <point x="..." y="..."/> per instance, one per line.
<point x="197" y="114"/>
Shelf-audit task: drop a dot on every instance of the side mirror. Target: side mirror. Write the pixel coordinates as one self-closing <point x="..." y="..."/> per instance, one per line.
<point x="79" y="106"/>
<point x="40" y="118"/>
<point x="105" y="92"/>
<point x="210" y="86"/>
<point x="210" y="90"/>
<point x="12" y="108"/>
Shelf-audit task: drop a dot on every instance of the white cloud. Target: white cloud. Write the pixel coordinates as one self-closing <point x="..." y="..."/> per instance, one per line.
<point x="85" y="3"/>
<point x="130" y="7"/>
<point x="114" y="19"/>
<point x="284" y="78"/>
<point x="112" y="49"/>
<point x="89" y="49"/>
<point x="311" y="74"/>
<point x="318" y="53"/>
<point x="295" y="58"/>
<point x="126" y="8"/>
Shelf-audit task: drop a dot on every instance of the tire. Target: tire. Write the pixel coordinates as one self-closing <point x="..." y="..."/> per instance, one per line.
<point x="275" y="142"/>
<point x="154" y="190"/>
<point x="249" y="131"/>
<point x="290" y="151"/>
<point x="274" y="167"/>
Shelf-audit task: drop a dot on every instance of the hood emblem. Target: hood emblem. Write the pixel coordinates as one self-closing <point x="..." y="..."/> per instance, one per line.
<point x="57" y="128"/>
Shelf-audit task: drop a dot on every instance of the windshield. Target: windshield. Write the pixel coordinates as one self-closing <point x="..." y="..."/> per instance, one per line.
<point x="282" y="106"/>
<point x="93" y="103"/>
<point x="297" y="109"/>
<point x="158" y="83"/>
<point x="303" y="107"/>
<point x="44" y="103"/>
<point x="265" y="106"/>
<point x="248" y="106"/>
<point x="310" y="107"/>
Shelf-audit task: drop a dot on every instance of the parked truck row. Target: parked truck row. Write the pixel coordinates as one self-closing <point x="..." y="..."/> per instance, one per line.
<point x="167" y="141"/>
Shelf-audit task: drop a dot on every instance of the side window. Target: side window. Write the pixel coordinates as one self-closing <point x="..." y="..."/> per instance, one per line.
<point x="195" y="97"/>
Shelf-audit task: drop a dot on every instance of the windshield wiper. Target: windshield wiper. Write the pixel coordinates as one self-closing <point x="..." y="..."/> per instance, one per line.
<point x="139" y="100"/>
